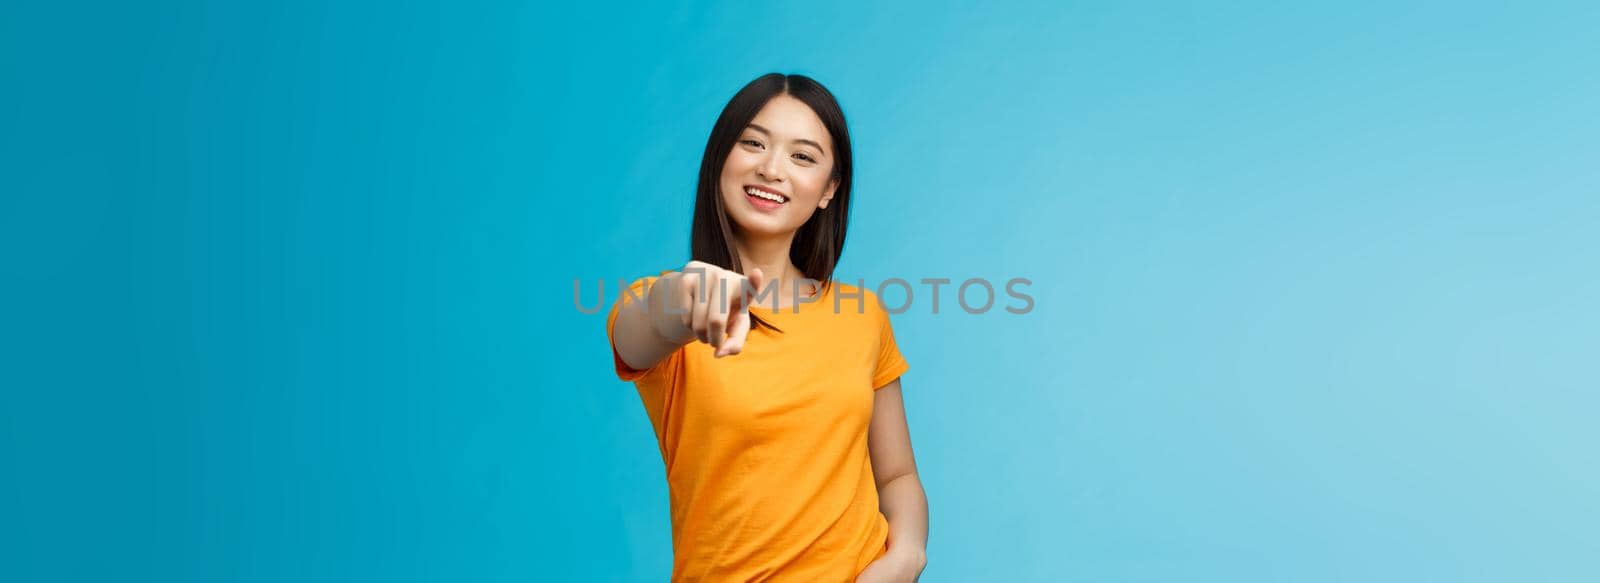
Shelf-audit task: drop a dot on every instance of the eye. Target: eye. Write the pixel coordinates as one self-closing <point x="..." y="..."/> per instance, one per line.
<point x="806" y="157"/>
<point x="751" y="143"/>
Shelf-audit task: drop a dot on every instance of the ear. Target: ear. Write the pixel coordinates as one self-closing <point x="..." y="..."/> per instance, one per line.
<point x="827" y="195"/>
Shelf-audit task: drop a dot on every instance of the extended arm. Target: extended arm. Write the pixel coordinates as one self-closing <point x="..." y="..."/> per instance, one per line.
<point x="700" y="302"/>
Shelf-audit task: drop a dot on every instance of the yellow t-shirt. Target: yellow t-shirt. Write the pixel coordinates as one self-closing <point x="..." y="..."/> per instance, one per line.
<point x="766" y="451"/>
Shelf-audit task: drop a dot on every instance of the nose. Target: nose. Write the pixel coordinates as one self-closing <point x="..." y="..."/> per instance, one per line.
<point x="768" y="169"/>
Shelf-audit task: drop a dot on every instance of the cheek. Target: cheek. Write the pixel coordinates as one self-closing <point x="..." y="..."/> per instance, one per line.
<point x="730" y="181"/>
<point x="739" y="164"/>
<point x="809" y="185"/>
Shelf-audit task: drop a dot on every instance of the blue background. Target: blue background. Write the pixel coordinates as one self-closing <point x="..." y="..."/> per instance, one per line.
<point x="288" y="286"/>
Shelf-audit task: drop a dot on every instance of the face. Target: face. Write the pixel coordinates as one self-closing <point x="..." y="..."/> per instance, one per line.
<point x="780" y="171"/>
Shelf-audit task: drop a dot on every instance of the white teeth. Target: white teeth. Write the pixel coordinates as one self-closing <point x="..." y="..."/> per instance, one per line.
<point x="764" y="194"/>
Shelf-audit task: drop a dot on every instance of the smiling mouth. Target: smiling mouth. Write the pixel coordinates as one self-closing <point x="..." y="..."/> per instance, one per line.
<point x="766" y="196"/>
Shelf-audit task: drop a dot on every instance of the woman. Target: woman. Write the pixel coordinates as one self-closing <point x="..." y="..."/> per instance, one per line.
<point x="775" y="391"/>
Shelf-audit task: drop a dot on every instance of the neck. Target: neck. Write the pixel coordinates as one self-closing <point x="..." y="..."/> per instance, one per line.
<point x="771" y="255"/>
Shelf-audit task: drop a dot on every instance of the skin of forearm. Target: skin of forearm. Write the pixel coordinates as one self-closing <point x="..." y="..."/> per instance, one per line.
<point x="905" y="505"/>
<point x="640" y="340"/>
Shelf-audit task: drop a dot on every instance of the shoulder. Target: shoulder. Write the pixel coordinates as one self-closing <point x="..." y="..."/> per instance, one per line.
<point x="847" y="289"/>
<point x="628" y="291"/>
<point x="846" y="294"/>
<point x="645" y="281"/>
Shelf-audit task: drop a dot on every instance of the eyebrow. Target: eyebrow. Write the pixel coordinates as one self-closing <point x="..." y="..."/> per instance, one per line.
<point x="799" y="141"/>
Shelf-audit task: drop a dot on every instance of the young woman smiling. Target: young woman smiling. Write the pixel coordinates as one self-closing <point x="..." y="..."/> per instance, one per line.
<point x="773" y="390"/>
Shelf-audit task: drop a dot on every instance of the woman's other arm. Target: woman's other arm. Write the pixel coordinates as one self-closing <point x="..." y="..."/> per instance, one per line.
<point x="900" y="494"/>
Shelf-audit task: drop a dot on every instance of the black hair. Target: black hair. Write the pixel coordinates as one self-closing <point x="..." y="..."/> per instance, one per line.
<point x="818" y="243"/>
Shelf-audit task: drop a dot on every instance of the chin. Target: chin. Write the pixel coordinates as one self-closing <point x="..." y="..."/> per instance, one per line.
<point x="761" y="226"/>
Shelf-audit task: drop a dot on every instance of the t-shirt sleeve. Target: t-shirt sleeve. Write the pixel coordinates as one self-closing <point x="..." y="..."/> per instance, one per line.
<point x="634" y="292"/>
<point x="890" y="363"/>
